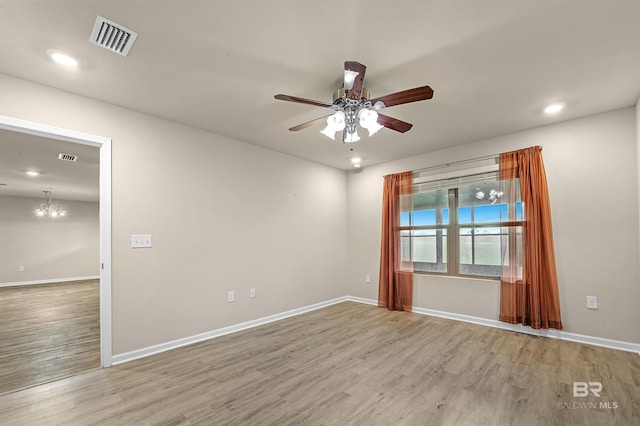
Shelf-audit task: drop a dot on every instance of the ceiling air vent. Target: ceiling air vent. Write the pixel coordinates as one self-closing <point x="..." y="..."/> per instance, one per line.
<point x="112" y="36"/>
<point x="67" y="157"/>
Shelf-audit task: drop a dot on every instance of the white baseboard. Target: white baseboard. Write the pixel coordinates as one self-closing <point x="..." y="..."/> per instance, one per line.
<point x="362" y="300"/>
<point x="155" y="349"/>
<point x="555" y="334"/>
<point x="50" y="281"/>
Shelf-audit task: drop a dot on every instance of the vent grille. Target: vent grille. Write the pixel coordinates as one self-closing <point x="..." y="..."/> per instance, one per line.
<point x="112" y="36"/>
<point x="67" y="157"/>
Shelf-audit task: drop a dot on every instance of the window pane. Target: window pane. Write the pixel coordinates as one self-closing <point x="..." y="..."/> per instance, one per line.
<point x="430" y="208"/>
<point x="445" y="216"/>
<point x="466" y="249"/>
<point x="480" y="251"/>
<point x="487" y="249"/>
<point x="430" y="200"/>
<point x="488" y="213"/>
<point x="430" y="250"/>
<point x="405" y="246"/>
<point x="405" y="218"/>
<point x="424" y="248"/>
<point x="464" y="215"/>
<point x="483" y="192"/>
<point x="424" y="217"/>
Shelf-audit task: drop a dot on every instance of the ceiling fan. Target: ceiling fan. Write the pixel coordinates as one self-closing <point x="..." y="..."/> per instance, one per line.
<point x="352" y="106"/>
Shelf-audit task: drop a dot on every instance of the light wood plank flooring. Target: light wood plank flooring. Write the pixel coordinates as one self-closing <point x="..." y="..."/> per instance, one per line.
<point x="347" y="364"/>
<point x="48" y="331"/>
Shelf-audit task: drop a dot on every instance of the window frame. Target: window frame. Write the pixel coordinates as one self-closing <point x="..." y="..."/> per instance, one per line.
<point x="453" y="228"/>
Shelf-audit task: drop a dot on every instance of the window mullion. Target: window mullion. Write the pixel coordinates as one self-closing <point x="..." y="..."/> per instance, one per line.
<point x="453" y="249"/>
<point x="473" y="237"/>
<point x="439" y="256"/>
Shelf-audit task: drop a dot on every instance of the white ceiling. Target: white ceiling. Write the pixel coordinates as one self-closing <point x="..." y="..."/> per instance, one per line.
<point x="20" y="153"/>
<point x="493" y="64"/>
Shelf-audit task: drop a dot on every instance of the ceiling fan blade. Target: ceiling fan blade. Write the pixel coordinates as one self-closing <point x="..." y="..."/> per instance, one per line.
<point x="353" y="79"/>
<point x="309" y="123"/>
<point x="394" y="123"/>
<point x="406" y="96"/>
<point x="301" y="100"/>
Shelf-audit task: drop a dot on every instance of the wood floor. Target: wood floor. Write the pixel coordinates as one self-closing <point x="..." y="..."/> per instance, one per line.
<point x="348" y="364"/>
<point x="48" y="331"/>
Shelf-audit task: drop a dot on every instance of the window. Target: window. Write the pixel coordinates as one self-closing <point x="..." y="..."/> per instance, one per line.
<point x="458" y="226"/>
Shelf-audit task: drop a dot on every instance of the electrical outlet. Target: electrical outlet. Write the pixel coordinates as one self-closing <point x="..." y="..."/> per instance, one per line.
<point x="21" y="268"/>
<point x="367" y="279"/>
<point x="252" y="292"/>
<point x="231" y="296"/>
<point x="592" y="302"/>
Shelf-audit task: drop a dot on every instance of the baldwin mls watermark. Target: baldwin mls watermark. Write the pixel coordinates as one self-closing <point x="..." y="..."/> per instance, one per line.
<point x="585" y="390"/>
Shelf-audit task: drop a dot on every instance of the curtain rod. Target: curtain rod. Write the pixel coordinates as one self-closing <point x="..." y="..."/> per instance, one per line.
<point x="455" y="163"/>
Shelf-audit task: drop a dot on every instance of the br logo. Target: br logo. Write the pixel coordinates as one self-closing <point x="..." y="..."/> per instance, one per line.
<point x="582" y="389"/>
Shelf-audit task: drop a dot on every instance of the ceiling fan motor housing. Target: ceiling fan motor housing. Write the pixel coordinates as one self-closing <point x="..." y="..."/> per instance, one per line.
<point x="339" y="94"/>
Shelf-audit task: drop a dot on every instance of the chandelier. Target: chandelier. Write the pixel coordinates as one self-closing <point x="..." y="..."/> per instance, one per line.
<point x="349" y="113"/>
<point x="49" y="208"/>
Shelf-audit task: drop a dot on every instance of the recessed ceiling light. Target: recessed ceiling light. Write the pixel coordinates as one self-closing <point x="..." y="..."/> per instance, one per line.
<point x="62" y="58"/>
<point x="32" y="173"/>
<point x="554" y="108"/>
<point x="356" y="160"/>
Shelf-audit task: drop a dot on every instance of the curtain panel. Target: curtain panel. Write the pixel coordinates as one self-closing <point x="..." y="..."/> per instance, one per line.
<point x="395" y="288"/>
<point x="529" y="283"/>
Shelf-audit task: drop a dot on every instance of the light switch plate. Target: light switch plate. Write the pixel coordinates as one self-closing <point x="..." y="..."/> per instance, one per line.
<point x="140" y="240"/>
<point x="592" y="302"/>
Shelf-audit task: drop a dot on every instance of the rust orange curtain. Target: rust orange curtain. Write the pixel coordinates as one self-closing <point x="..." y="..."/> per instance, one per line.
<point x="395" y="289"/>
<point x="529" y="282"/>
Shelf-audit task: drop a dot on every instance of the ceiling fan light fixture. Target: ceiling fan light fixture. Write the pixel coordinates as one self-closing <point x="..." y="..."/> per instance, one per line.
<point x="368" y="119"/>
<point x="379" y="105"/>
<point x="329" y="132"/>
<point x="349" y="79"/>
<point x="337" y="121"/>
<point x="374" y="128"/>
<point x="367" y="116"/>
<point x="352" y="137"/>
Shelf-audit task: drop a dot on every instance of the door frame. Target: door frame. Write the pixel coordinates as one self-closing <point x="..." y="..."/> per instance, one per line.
<point x="104" y="144"/>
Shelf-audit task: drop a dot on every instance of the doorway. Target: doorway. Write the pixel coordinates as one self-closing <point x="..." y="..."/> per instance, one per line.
<point x="104" y="146"/>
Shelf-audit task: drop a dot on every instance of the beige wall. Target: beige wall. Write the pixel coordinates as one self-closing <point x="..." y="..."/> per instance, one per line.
<point x="638" y="174"/>
<point x="224" y="215"/>
<point x="592" y="171"/>
<point x="48" y="248"/>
